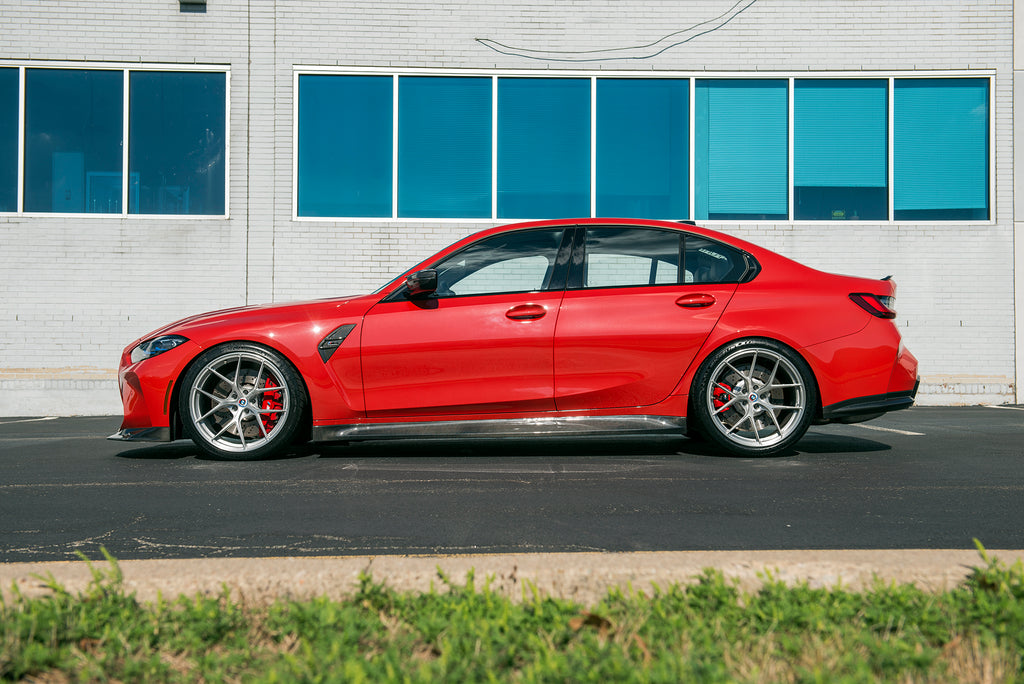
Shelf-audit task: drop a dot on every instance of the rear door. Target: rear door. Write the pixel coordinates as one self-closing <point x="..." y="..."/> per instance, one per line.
<point x="640" y="303"/>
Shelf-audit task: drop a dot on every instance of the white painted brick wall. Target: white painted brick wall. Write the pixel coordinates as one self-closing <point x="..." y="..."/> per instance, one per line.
<point x="76" y="290"/>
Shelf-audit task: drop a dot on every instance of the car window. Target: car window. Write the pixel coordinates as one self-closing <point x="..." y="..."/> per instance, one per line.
<point x="707" y="261"/>
<point x="621" y="257"/>
<point x="512" y="262"/>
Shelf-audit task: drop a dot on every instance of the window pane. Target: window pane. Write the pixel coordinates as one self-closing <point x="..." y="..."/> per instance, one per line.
<point x="840" y="149"/>
<point x="444" y="147"/>
<point x="742" y="149"/>
<point x="643" y="157"/>
<point x="176" y="143"/>
<point x="543" y="147"/>
<point x="522" y="261"/>
<point x="706" y="261"/>
<point x="345" y="145"/>
<point x="620" y="257"/>
<point x="8" y="140"/>
<point x="941" y="149"/>
<point x="73" y="121"/>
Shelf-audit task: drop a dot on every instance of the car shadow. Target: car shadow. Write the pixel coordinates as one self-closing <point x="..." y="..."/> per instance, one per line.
<point x="814" y="443"/>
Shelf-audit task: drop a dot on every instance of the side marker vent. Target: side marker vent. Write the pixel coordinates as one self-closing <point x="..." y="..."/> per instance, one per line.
<point x="330" y="344"/>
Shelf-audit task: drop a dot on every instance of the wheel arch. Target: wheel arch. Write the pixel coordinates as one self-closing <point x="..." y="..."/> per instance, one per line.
<point x="304" y="431"/>
<point x="709" y="350"/>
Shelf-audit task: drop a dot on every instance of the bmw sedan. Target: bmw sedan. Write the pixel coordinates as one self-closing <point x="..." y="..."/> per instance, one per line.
<point x="567" y="327"/>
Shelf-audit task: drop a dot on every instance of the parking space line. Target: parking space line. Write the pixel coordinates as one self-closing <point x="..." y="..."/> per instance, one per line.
<point x="28" y="420"/>
<point x="1011" y="408"/>
<point x="882" y="429"/>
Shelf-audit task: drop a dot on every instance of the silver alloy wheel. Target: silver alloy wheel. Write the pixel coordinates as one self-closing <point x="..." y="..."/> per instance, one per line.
<point x="756" y="397"/>
<point x="239" y="402"/>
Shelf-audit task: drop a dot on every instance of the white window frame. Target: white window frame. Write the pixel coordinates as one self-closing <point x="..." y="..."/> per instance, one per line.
<point x="693" y="77"/>
<point x="126" y="68"/>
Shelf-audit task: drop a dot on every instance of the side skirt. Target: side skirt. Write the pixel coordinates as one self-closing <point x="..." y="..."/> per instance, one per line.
<point x="574" y="426"/>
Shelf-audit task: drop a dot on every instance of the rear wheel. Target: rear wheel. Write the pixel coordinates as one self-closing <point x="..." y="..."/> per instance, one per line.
<point x="241" y="401"/>
<point x="754" y="397"/>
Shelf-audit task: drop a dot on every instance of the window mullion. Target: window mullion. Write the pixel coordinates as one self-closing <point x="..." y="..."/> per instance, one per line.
<point x="789" y="163"/>
<point x="21" y="140"/>
<point x="593" y="146"/>
<point x="891" y="171"/>
<point x="494" y="147"/>
<point x="126" y="175"/>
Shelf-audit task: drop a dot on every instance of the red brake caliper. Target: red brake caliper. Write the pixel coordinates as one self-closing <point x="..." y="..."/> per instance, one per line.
<point x="721" y="395"/>
<point x="272" y="401"/>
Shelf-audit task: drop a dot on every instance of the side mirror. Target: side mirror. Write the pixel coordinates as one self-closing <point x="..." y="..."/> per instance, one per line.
<point x="421" y="283"/>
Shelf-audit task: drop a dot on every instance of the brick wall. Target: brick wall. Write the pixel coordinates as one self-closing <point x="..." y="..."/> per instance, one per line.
<point x="78" y="289"/>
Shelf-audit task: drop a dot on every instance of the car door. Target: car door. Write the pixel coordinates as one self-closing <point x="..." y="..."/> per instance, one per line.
<point x="640" y="303"/>
<point x="481" y="343"/>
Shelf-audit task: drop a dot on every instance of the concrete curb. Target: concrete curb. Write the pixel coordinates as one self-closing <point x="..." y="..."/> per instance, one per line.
<point x="582" y="577"/>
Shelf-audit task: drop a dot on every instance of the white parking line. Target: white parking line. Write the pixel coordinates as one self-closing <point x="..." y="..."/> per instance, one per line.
<point x="28" y="420"/>
<point x="1011" y="408"/>
<point x="882" y="429"/>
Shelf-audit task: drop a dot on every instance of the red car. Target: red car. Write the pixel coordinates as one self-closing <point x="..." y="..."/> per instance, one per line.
<point x="566" y="327"/>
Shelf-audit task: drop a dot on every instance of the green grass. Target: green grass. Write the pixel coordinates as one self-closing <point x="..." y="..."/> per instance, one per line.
<point x="705" y="631"/>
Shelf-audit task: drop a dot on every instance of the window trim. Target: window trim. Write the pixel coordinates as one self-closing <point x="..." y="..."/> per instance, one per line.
<point x="126" y="68"/>
<point x="692" y="76"/>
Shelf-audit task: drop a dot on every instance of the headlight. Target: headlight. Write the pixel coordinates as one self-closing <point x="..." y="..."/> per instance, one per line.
<point x="156" y="346"/>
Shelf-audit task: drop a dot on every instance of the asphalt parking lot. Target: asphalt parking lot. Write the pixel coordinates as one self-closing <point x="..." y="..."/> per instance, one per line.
<point x="924" y="478"/>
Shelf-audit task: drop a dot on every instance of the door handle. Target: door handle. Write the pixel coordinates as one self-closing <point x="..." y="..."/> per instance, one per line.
<point x="695" y="301"/>
<point x="526" y="312"/>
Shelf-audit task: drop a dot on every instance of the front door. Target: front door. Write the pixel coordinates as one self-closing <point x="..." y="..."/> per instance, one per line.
<point x="481" y="344"/>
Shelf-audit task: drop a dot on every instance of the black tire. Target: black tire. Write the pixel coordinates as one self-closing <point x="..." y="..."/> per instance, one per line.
<point x="242" y="402"/>
<point x="754" y="397"/>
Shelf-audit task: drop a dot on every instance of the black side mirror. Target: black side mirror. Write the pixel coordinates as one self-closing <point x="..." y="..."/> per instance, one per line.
<point x="421" y="283"/>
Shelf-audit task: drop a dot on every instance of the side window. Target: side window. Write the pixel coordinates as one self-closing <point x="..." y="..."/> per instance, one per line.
<point x="623" y="257"/>
<point x="513" y="262"/>
<point x="707" y="261"/>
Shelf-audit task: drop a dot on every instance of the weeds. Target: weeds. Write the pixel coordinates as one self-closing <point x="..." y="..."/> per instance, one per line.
<point x="707" y="631"/>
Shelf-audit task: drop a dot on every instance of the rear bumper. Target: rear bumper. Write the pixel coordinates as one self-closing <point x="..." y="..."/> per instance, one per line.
<point x="865" y="408"/>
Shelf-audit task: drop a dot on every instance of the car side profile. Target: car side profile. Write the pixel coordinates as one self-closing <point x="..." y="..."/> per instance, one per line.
<point x="567" y="327"/>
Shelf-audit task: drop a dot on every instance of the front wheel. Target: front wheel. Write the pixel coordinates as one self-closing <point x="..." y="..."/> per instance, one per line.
<point x="754" y="397"/>
<point x="241" y="401"/>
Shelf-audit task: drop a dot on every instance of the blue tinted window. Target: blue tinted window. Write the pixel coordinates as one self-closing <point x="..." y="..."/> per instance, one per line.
<point x="543" y="147"/>
<point x="643" y="157"/>
<point x="345" y="145"/>
<point x="73" y="122"/>
<point x="444" y="147"/>
<point x="8" y="140"/>
<point x="940" y="149"/>
<point x="176" y="143"/>
<point x="840" y="149"/>
<point x="742" y="149"/>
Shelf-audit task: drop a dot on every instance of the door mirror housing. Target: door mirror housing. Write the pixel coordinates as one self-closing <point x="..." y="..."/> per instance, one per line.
<point x="421" y="283"/>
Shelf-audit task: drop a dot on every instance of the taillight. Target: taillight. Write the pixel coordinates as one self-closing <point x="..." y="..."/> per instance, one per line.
<point x="876" y="305"/>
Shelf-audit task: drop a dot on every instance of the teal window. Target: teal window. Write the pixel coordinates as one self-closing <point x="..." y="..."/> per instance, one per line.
<point x="742" y="149"/>
<point x="176" y="149"/>
<point x="941" y="149"/>
<point x="840" y="149"/>
<point x="8" y="140"/>
<point x="73" y="129"/>
<point x="543" y="147"/>
<point x="444" y="147"/>
<point x="345" y="146"/>
<point x="643" y="155"/>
